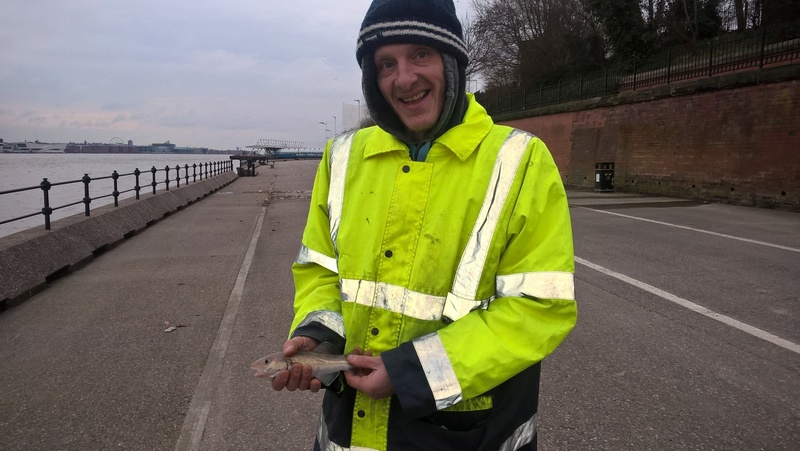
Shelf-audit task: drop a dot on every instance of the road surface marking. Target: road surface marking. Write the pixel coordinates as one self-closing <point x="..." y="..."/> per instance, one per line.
<point x="754" y="331"/>
<point x="746" y="240"/>
<point x="195" y="423"/>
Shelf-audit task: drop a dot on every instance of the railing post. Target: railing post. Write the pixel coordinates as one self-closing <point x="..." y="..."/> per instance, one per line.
<point x="710" y="58"/>
<point x="763" y="46"/>
<point x="86" y="199"/>
<point x="558" y="98"/>
<point x="186" y="171"/>
<point x="46" y="210"/>
<point x="153" y="172"/>
<point x="177" y="176"/>
<point x="137" y="187"/>
<point x="669" y="65"/>
<point x="115" y="176"/>
<point x="166" y="177"/>
<point x="194" y="172"/>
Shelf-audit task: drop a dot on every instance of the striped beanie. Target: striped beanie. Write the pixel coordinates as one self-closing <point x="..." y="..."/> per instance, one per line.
<point x="428" y="22"/>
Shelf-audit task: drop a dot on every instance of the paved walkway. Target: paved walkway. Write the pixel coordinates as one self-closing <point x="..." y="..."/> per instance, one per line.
<point x="88" y="364"/>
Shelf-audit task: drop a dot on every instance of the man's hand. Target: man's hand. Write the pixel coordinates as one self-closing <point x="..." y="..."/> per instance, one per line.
<point x="298" y="376"/>
<point x="370" y="377"/>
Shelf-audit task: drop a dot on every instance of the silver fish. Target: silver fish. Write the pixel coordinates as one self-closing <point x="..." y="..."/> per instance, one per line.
<point x="325" y="367"/>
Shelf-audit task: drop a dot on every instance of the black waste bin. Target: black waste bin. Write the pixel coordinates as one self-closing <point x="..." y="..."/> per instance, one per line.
<point x="604" y="177"/>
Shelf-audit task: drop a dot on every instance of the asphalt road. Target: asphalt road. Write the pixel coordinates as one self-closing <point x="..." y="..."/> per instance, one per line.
<point x="688" y="334"/>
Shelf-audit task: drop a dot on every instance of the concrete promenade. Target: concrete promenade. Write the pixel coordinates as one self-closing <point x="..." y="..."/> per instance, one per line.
<point x="688" y="334"/>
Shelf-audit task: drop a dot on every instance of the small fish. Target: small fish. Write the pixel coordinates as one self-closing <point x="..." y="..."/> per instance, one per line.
<point x="325" y="366"/>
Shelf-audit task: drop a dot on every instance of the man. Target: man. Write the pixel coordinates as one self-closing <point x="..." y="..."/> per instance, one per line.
<point x="437" y="254"/>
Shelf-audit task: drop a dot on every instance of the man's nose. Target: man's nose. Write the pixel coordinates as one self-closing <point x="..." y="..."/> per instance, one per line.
<point x="406" y="74"/>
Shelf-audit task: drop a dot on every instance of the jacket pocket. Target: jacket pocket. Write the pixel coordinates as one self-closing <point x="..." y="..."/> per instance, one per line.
<point x="461" y="427"/>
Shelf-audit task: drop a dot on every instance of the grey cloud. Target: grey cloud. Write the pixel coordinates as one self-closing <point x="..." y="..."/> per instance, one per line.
<point x="200" y="73"/>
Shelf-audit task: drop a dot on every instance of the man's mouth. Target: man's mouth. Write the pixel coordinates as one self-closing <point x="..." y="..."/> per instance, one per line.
<point x="415" y="98"/>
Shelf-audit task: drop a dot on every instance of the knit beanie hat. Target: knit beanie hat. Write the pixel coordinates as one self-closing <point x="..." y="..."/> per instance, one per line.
<point x="427" y="22"/>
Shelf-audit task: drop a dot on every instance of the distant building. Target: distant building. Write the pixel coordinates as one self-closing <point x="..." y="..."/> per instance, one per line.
<point x="166" y="147"/>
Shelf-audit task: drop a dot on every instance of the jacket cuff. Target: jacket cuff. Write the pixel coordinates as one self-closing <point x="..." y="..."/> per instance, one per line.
<point x="322" y="334"/>
<point x="409" y="381"/>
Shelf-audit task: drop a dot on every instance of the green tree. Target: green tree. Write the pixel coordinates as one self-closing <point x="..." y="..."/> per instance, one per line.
<point x="529" y="42"/>
<point x="624" y="27"/>
<point x="690" y="21"/>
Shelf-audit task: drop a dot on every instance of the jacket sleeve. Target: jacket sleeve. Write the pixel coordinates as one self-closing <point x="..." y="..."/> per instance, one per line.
<point x="317" y="297"/>
<point x="533" y="311"/>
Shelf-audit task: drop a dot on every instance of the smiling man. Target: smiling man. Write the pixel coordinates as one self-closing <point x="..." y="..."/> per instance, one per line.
<point x="437" y="254"/>
<point x="411" y="80"/>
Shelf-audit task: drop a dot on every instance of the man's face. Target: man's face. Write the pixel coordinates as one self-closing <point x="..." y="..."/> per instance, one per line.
<point x="411" y="79"/>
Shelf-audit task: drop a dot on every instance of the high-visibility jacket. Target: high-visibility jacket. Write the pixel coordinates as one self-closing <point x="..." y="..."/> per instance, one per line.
<point x="456" y="270"/>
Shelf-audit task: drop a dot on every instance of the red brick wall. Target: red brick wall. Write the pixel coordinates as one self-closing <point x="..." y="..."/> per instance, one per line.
<point x="733" y="145"/>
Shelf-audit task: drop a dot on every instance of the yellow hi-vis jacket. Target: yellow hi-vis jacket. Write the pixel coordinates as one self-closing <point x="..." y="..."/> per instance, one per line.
<point x="457" y="270"/>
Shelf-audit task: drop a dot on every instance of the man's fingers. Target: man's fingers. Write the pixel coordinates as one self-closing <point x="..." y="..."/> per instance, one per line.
<point x="295" y="372"/>
<point x="363" y="361"/>
<point x="291" y="346"/>
<point x="280" y="380"/>
<point x="300" y="343"/>
<point x="305" y="378"/>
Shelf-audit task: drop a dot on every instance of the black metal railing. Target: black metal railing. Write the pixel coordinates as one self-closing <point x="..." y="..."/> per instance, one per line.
<point x="754" y="50"/>
<point x="197" y="172"/>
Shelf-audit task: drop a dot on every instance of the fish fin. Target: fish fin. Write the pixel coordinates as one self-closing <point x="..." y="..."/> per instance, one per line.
<point x="328" y="379"/>
<point x="326" y="348"/>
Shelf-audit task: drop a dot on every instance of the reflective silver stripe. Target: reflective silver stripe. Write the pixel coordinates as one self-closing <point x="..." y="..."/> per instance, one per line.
<point x="464" y="304"/>
<point x="538" y="285"/>
<point x="307" y="256"/>
<point x="325" y="442"/>
<point x="470" y="268"/>
<point x="340" y="157"/>
<point x="393" y="298"/>
<point x="438" y="370"/>
<point x="331" y="320"/>
<point x="522" y="436"/>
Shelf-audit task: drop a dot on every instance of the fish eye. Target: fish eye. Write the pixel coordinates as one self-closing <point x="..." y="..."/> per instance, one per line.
<point x="266" y="361"/>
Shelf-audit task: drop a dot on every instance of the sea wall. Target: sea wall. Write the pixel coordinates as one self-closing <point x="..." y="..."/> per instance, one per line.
<point x="29" y="259"/>
<point x="733" y="139"/>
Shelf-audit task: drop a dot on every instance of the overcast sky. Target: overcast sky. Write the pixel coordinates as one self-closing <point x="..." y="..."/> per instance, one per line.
<point x="200" y="73"/>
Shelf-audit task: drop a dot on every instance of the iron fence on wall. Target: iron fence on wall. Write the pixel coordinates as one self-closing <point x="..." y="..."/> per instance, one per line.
<point x="197" y="172"/>
<point x="754" y="50"/>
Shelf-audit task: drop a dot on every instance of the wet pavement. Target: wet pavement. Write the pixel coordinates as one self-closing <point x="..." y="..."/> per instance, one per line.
<point x="688" y="332"/>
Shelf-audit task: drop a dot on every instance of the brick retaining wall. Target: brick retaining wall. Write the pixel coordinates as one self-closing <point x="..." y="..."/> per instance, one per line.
<point x="734" y="140"/>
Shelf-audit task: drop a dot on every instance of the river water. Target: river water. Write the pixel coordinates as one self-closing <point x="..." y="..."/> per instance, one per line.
<point x="26" y="170"/>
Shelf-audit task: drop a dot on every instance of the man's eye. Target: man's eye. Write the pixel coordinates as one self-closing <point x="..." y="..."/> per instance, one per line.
<point x="422" y="54"/>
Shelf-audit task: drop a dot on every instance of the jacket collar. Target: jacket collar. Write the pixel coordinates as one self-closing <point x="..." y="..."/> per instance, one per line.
<point x="462" y="139"/>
